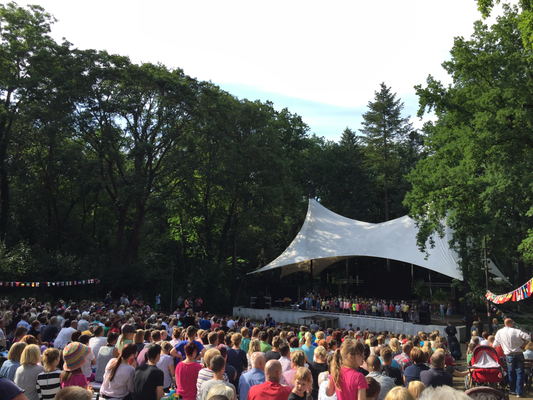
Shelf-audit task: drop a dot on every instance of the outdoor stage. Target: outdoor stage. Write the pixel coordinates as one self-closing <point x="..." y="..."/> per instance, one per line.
<point x="375" y="324"/>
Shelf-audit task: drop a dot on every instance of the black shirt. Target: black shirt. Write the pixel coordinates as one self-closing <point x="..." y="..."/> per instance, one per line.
<point x="49" y="333"/>
<point x="394" y="373"/>
<point x="188" y="321"/>
<point x="147" y="379"/>
<point x="316" y="369"/>
<point x="272" y="355"/>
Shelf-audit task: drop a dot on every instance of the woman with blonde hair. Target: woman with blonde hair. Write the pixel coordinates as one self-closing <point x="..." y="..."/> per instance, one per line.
<point x="254" y="347"/>
<point x="399" y="393"/>
<point x="13" y="360"/>
<point x="416" y="388"/>
<point x="345" y="380"/>
<point x="221" y="390"/>
<point x="26" y="375"/>
<point x="317" y="367"/>
<point x="395" y="347"/>
<point x="308" y="347"/>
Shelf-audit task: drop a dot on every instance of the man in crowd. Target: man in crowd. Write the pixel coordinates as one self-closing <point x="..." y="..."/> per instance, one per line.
<point x="387" y="369"/>
<point x="285" y="359"/>
<point x="513" y="342"/>
<point x="265" y="347"/>
<point x="274" y="353"/>
<point x="271" y="389"/>
<point x="148" y="378"/>
<point x="63" y="337"/>
<point x="436" y="376"/>
<point x="374" y="369"/>
<point x="254" y="376"/>
<point x="51" y="330"/>
<point x="404" y="360"/>
<point x="450" y="331"/>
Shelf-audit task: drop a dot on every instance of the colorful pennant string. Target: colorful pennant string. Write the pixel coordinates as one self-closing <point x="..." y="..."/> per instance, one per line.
<point x="521" y="293"/>
<point x="94" y="281"/>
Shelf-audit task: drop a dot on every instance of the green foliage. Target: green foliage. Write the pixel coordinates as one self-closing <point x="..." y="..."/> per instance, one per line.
<point x="478" y="176"/>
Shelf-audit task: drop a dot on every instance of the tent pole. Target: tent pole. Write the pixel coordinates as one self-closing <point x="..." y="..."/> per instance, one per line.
<point x="487" y="278"/>
<point x="311" y="276"/>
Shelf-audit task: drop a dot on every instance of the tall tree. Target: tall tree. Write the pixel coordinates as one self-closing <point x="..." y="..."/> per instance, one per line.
<point x="24" y="46"/>
<point x="383" y="129"/>
<point x="478" y="178"/>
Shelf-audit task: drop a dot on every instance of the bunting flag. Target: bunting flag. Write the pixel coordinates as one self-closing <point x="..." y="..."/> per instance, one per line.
<point x="49" y="284"/>
<point x="519" y="294"/>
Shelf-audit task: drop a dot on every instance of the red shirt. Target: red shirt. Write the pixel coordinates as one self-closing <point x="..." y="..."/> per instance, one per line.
<point x="269" y="391"/>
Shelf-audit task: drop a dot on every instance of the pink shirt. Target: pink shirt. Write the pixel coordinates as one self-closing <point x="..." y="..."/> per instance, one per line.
<point x="186" y="376"/>
<point x="76" y="379"/>
<point x="350" y="382"/>
<point x="287" y="377"/>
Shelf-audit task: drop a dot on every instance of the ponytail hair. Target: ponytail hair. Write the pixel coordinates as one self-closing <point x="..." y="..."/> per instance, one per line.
<point x="350" y="347"/>
<point x="127" y="351"/>
<point x="336" y="367"/>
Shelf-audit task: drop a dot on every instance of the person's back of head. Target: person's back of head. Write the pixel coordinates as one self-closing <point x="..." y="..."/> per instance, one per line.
<point x="374" y="388"/>
<point x="386" y="354"/>
<point x="399" y="393"/>
<point x="221" y="390"/>
<point x="284" y="349"/>
<point x="437" y="359"/>
<point x="418" y="356"/>
<point x="217" y="364"/>
<point x="212" y="338"/>
<point x="73" y="393"/>
<point x="156" y="336"/>
<point x="258" y="360"/>
<point x="153" y="351"/>
<point x="416" y="388"/>
<point x="443" y="393"/>
<point x="373" y="364"/>
<point x="298" y="358"/>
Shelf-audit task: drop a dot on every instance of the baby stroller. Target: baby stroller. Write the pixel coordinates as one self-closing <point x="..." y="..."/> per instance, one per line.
<point x="485" y="369"/>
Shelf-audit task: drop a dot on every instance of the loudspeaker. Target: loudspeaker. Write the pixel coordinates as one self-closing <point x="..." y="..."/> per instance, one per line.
<point x="424" y="317"/>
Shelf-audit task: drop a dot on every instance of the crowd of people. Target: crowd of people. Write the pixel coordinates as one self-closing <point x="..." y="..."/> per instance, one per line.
<point x="408" y="312"/>
<point x="127" y="352"/>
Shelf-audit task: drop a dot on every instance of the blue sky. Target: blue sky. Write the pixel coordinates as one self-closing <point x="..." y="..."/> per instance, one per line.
<point x="321" y="60"/>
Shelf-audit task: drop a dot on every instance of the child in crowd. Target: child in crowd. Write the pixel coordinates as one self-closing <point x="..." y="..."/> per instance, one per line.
<point x="303" y="382"/>
<point x="74" y="356"/>
<point x="345" y="380"/>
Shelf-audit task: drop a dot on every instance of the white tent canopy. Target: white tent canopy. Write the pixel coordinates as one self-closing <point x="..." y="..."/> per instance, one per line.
<point x="326" y="238"/>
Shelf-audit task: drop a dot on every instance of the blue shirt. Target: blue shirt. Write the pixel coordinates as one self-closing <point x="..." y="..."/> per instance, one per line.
<point x="394" y="363"/>
<point x="205" y="324"/>
<point x="412" y="372"/>
<point x="248" y="379"/>
<point x="180" y="348"/>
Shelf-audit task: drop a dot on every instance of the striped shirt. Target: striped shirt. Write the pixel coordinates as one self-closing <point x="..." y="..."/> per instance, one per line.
<point x="48" y="384"/>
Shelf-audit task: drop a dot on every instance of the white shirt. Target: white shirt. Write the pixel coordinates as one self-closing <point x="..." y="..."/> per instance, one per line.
<point x="285" y="363"/>
<point x="95" y="343"/>
<point x="511" y="339"/>
<point x="86" y="367"/>
<point x="63" y="338"/>
<point x="231" y="324"/>
<point x="123" y="381"/>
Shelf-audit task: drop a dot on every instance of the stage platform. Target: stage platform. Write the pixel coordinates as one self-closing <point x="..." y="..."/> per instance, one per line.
<point x="374" y="324"/>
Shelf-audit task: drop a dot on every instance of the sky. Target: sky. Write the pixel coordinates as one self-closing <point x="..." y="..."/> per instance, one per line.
<point x="321" y="60"/>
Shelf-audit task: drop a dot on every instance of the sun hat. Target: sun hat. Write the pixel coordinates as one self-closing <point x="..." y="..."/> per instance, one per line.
<point x="74" y="355"/>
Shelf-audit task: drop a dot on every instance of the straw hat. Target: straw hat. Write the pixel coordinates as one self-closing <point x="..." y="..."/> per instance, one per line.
<point x="74" y="355"/>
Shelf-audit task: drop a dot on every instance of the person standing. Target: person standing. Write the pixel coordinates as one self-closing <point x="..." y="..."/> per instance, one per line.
<point x="513" y="342"/>
<point x="149" y="379"/>
<point x="271" y="389"/>
<point x="158" y="302"/>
